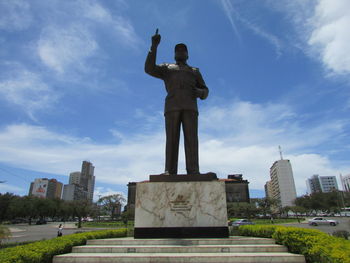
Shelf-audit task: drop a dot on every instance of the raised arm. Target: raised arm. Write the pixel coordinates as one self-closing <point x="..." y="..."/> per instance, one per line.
<point x="150" y="65"/>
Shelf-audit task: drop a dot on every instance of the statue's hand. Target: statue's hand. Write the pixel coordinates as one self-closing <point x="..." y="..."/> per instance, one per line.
<point x="198" y="93"/>
<point x="156" y="39"/>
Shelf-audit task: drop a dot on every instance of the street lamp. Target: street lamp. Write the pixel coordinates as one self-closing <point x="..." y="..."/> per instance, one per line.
<point x="98" y="206"/>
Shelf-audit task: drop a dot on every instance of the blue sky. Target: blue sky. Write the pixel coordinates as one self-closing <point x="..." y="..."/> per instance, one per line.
<point x="73" y="88"/>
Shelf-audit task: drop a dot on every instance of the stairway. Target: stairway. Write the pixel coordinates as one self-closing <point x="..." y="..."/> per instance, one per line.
<point x="233" y="249"/>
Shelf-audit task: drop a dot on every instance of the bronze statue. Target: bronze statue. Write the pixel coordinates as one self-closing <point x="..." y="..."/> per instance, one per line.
<point x="184" y="84"/>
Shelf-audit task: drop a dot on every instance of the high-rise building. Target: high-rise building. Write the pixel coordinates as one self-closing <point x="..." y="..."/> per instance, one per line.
<point x="313" y="184"/>
<point x="74" y="192"/>
<point x="87" y="179"/>
<point x="328" y="183"/>
<point x="54" y="189"/>
<point x="74" y="178"/>
<point x="324" y="184"/>
<point x="282" y="183"/>
<point x="81" y="184"/>
<point x="268" y="189"/>
<point x="345" y="181"/>
<point x="46" y="188"/>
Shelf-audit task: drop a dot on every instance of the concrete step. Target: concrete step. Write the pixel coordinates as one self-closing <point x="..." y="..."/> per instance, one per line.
<point x="180" y="249"/>
<point x="179" y="258"/>
<point x="237" y="240"/>
<point x="210" y="250"/>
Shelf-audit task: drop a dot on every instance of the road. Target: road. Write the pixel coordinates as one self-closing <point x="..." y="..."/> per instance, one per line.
<point x="344" y="224"/>
<point x="25" y="232"/>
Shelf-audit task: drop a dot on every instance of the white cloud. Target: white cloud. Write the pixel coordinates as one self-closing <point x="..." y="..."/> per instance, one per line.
<point x="37" y="148"/>
<point x="102" y="191"/>
<point x="233" y="15"/>
<point x="320" y="30"/>
<point x="9" y="188"/>
<point x="241" y="138"/>
<point x="15" y="15"/>
<point x="230" y="12"/>
<point x="244" y="123"/>
<point x="117" y="25"/>
<point x="62" y="49"/>
<point x="26" y="89"/>
<point x="330" y="34"/>
<point x="66" y="46"/>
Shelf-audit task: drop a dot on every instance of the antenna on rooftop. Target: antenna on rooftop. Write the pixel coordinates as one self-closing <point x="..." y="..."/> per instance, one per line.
<point x="280" y="150"/>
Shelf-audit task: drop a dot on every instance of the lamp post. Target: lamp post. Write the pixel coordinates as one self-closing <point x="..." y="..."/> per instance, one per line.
<point x="98" y="206"/>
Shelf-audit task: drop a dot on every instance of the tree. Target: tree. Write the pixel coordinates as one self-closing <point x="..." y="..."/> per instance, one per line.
<point x="5" y="202"/>
<point x="297" y="210"/>
<point x="267" y="205"/>
<point x="80" y="209"/>
<point x="284" y="210"/>
<point x="111" y="203"/>
<point x="242" y="209"/>
<point x="305" y="202"/>
<point x="325" y="202"/>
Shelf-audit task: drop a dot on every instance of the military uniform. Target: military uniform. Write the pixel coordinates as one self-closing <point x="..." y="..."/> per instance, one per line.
<point x="180" y="109"/>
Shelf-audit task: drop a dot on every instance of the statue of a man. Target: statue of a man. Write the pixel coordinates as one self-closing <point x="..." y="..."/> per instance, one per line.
<point x="184" y="84"/>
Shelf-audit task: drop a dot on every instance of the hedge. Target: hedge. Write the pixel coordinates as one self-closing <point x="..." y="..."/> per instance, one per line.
<point x="43" y="251"/>
<point x="316" y="246"/>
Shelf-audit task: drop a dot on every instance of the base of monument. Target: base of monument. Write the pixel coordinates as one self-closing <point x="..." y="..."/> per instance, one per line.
<point x="182" y="177"/>
<point x="181" y="232"/>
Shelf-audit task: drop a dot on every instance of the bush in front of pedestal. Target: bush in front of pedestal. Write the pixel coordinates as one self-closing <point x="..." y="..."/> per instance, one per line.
<point x="43" y="251"/>
<point x="316" y="246"/>
<point x="257" y="230"/>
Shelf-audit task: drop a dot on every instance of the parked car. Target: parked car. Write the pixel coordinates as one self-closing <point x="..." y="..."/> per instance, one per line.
<point x="322" y="221"/>
<point x="241" y="222"/>
<point x="41" y="222"/>
<point x="19" y="221"/>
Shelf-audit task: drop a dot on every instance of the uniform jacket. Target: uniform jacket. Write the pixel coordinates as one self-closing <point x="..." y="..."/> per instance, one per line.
<point x="180" y="81"/>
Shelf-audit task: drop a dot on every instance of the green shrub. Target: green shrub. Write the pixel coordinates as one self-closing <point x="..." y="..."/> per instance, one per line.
<point x="43" y="251"/>
<point x="341" y="233"/>
<point x="15" y="244"/>
<point x="257" y="230"/>
<point x="316" y="246"/>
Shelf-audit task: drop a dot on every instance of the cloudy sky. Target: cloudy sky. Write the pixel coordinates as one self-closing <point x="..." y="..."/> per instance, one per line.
<point x="73" y="88"/>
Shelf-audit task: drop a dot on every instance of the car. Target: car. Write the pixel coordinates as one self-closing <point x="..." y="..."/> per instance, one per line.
<point x="41" y="222"/>
<point x="19" y="221"/>
<point x="241" y="222"/>
<point x="322" y="221"/>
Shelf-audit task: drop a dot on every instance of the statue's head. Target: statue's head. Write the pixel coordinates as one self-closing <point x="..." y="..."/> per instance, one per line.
<point x="181" y="53"/>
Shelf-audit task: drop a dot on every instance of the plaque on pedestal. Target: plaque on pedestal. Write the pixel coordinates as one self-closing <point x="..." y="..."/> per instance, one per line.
<point x="186" y="209"/>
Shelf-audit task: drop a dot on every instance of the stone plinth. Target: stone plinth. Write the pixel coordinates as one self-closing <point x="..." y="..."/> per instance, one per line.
<point x="180" y="209"/>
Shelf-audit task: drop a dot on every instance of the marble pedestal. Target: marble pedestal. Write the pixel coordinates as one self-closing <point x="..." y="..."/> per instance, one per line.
<point x="180" y="209"/>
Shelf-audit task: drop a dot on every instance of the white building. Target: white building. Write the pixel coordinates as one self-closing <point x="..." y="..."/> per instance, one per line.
<point x="39" y="187"/>
<point x="345" y="181"/>
<point x="282" y="183"/>
<point x="328" y="183"/>
<point x="73" y="192"/>
<point x="74" y="178"/>
<point x="324" y="184"/>
<point x="46" y="188"/>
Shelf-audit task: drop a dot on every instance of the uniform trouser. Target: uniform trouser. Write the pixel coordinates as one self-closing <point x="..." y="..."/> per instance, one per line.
<point x="189" y="121"/>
